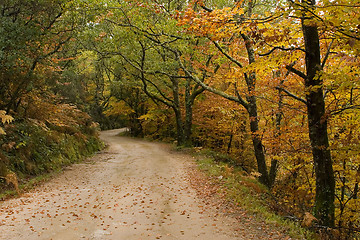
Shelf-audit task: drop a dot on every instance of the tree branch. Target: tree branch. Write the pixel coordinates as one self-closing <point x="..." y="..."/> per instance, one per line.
<point x="297" y="72"/>
<point x="227" y="55"/>
<point x="208" y="88"/>
<point x="327" y="54"/>
<point x="291" y="95"/>
<point x="280" y="48"/>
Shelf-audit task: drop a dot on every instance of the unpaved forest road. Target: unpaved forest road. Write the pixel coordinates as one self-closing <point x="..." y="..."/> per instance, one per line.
<point x="133" y="190"/>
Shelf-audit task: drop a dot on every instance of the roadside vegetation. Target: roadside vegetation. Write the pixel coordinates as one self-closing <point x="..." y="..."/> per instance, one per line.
<point x="31" y="151"/>
<point x="274" y="85"/>
<point x="43" y="126"/>
<point x="244" y="193"/>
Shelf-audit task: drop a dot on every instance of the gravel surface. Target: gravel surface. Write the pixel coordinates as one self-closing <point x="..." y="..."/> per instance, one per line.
<point x="133" y="190"/>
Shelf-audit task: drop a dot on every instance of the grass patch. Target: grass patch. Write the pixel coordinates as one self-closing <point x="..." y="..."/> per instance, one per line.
<point x="245" y="191"/>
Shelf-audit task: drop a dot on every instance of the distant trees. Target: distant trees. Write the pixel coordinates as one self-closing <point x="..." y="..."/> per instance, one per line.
<point x="146" y="52"/>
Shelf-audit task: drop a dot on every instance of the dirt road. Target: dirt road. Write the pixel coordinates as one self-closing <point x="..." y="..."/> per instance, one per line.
<point x="133" y="190"/>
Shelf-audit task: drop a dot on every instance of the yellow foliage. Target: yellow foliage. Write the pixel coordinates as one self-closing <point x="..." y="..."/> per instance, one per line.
<point x="118" y="108"/>
<point x="4" y="119"/>
<point x="11" y="178"/>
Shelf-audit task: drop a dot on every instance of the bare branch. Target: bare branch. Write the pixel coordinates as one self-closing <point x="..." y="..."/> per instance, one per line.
<point x="280" y="48"/>
<point x="227" y="55"/>
<point x="338" y="111"/>
<point x="206" y="8"/>
<point x="291" y="95"/>
<point x="210" y="89"/>
<point x="297" y="72"/>
<point x="327" y="54"/>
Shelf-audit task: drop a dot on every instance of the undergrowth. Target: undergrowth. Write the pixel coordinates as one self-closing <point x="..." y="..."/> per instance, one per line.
<point x="243" y="190"/>
<point x="33" y="152"/>
<point x="26" y="185"/>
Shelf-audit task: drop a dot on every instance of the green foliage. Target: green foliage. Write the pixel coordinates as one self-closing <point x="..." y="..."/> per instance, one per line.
<point x="30" y="34"/>
<point x="29" y="149"/>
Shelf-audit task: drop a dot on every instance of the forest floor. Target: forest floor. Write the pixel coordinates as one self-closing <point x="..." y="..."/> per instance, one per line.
<point x="132" y="190"/>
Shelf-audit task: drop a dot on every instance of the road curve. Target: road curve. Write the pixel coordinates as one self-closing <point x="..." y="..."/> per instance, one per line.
<point x="133" y="190"/>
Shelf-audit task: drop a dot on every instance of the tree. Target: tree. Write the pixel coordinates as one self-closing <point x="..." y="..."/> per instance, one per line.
<point x="125" y="89"/>
<point x="317" y="120"/>
<point x="280" y="45"/>
<point x="314" y="68"/>
<point x="31" y="34"/>
<point x="148" y="50"/>
<point x="231" y="36"/>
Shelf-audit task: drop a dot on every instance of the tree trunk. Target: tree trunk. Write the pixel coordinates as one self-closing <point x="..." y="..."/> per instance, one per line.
<point x="177" y="111"/>
<point x="317" y="121"/>
<point x="188" y="115"/>
<point x="253" y="116"/>
<point x="188" y="125"/>
<point x="257" y="143"/>
<point x="179" y="127"/>
<point x="249" y="105"/>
